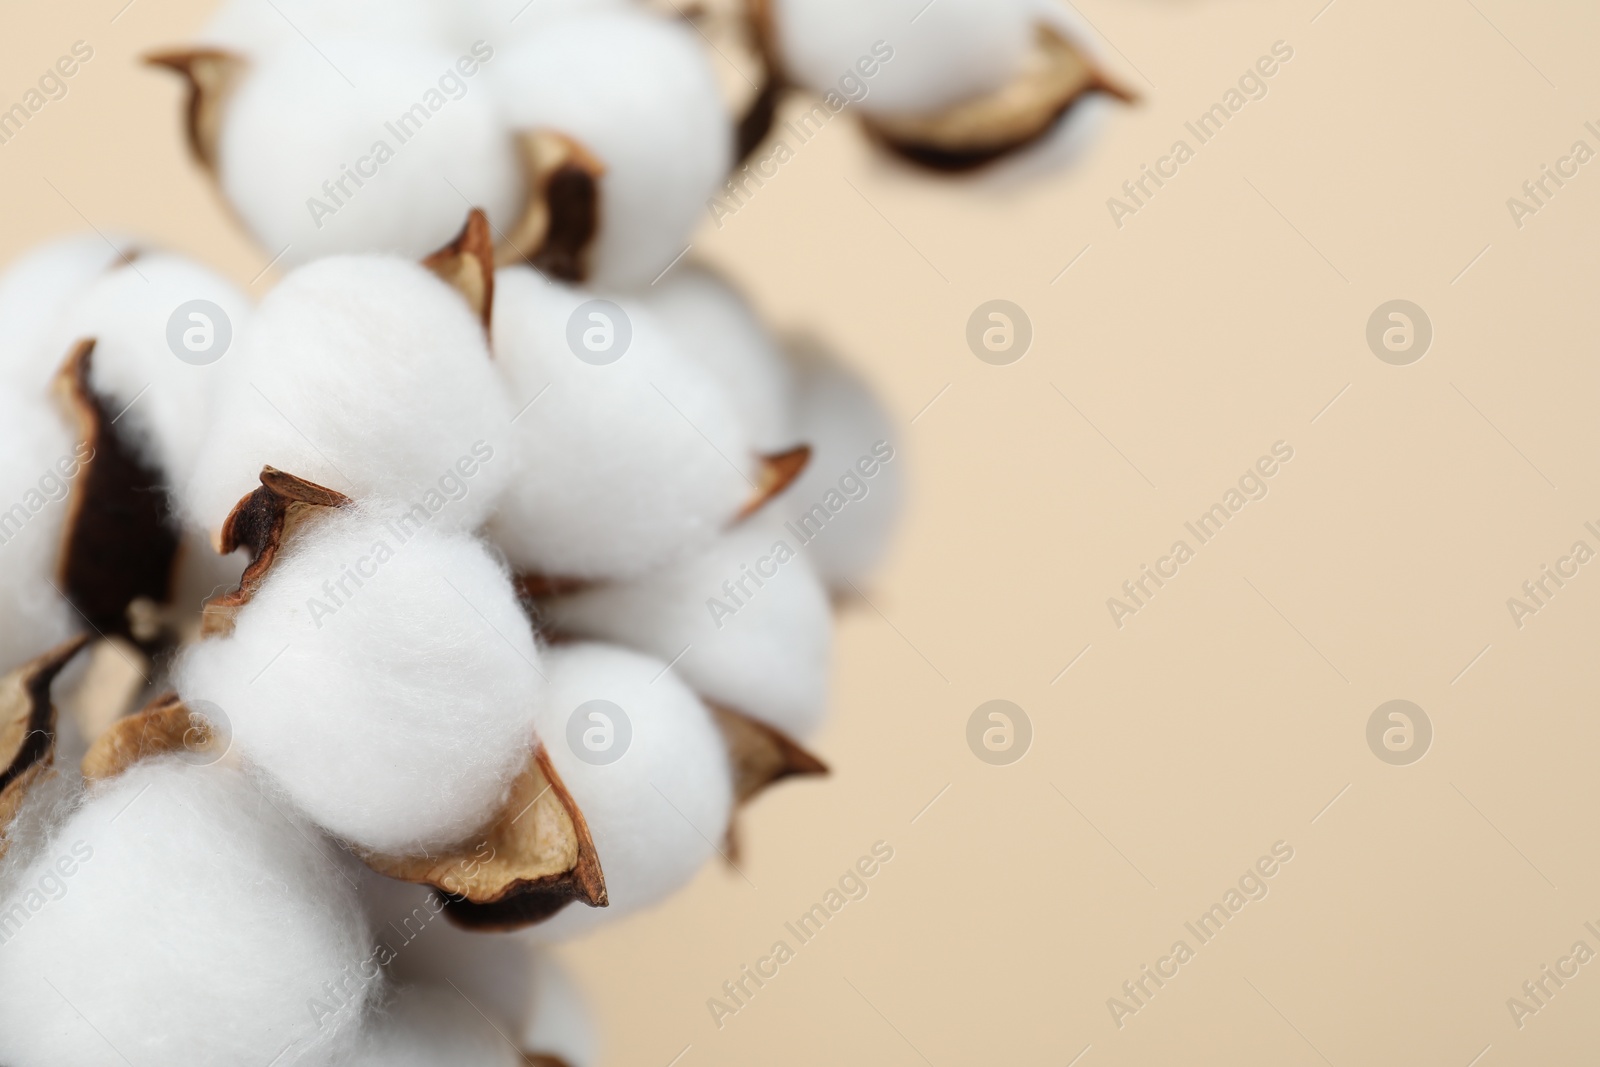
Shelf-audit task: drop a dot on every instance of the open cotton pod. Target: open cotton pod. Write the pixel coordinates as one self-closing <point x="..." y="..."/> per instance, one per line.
<point x="632" y="454"/>
<point x="844" y="506"/>
<point x="35" y="292"/>
<point x="645" y="762"/>
<point x="712" y="321"/>
<point x="363" y="144"/>
<point x="745" y="622"/>
<point x="961" y="84"/>
<point x="625" y="138"/>
<point x="162" y="883"/>
<point x="368" y="374"/>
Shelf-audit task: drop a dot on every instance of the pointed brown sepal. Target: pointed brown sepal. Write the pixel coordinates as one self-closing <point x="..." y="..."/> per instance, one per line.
<point x="28" y="728"/>
<point x="467" y="266"/>
<point x="259" y="523"/>
<point x="1058" y="76"/>
<point x="166" y="725"/>
<point x="761" y="755"/>
<point x="535" y="859"/>
<point x="778" y="472"/>
<point x="540" y="1059"/>
<point x="119" y="548"/>
<point x="562" y="214"/>
<point x="532" y="585"/>
<point x="212" y="74"/>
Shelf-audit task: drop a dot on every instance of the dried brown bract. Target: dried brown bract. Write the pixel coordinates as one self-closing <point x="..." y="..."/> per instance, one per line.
<point x="28" y="728"/>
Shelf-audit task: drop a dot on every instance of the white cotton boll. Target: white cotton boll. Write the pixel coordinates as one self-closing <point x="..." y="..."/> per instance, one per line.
<point x="654" y="811"/>
<point x="712" y="322"/>
<point x="751" y="612"/>
<point x="430" y="1025"/>
<point x="955" y="50"/>
<point x="505" y="22"/>
<point x="35" y="291"/>
<point x="251" y="26"/>
<point x="856" y="474"/>
<point x="625" y="465"/>
<point x="384" y="675"/>
<point x="179" y="917"/>
<point x="559" y="1024"/>
<point x="163" y="400"/>
<point x="638" y="92"/>
<point x="41" y="458"/>
<point x="367" y="375"/>
<point x="317" y="166"/>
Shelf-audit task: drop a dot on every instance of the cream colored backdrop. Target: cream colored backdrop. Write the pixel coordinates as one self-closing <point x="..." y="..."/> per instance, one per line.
<point x="1231" y="712"/>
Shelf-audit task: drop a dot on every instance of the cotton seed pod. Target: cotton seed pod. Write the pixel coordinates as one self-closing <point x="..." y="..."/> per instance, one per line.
<point x="626" y="463"/>
<point x="645" y="762"/>
<point x="711" y="321"/>
<point x="368" y="374"/>
<point x="961" y="85"/>
<point x="428" y="1025"/>
<point x="403" y="651"/>
<point x="35" y="292"/>
<point x="159" y="378"/>
<point x="856" y="476"/>
<point x="315" y="164"/>
<point x="148" y="896"/>
<point x="746" y="624"/>
<point x="34" y="513"/>
<point x="636" y="94"/>
<point x="532" y="858"/>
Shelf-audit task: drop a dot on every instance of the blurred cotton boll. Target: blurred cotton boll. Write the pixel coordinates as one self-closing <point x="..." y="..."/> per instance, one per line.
<point x="653" y="810"/>
<point x="35" y="292"/>
<point x="42" y="460"/>
<point x="929" y="56"/>
<point x="164" y="392"/>
<point x="505" y="22"/>
<point x="384" y="676"/>
<point x="377" y="146"/>
<point x="367" y="375"/>
<point x="711" y="321"/>
<point x="182" y="918"/>
<point x="250" y="27"/>
<point x="431" y="1025"/>
<point x="627" y="460"/>
<point x="637" y="92"/>
<point x="750" y="611"/>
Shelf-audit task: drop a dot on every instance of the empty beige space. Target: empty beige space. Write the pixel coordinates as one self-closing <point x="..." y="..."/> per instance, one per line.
<point x="1228" y="715"/>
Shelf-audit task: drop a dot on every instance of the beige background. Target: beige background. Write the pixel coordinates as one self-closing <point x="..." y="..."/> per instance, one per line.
<point x="1227" y="715"/>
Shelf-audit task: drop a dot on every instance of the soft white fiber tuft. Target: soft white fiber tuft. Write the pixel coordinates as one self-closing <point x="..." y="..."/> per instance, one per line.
<point x="943" y="53"/>
<point x="432" y="1026"/>
<point x="295" y="123"/>
<point x="34" y="292"/>
<point x="653" y="812"/>
<point x="638" y="92"/>
<point x="761" y="649"/>
<point x="179" y="917"/>
<point x="384" y="676"/>
<point x="252" y="26"/>
<point x="36" y="478"/>
<point x="624" y="466"/>
<point x="369" y="375"/>
<point x="713" y="323"/>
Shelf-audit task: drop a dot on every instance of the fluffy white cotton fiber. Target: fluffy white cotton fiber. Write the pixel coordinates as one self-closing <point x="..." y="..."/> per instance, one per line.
<point x="639" y="93"/>
<point x="559" y="1024"/>
<point x="369" y="375"/>
<point x="179" y="917"/>
<point x="625" y="465"/>
<point x="925" y="56"/>
<point x="430" y="1026"/>
<point x="41" y="461"/>
<point x="655" y="810"/>
<point x="505" y="22"/>
<point x="750" y="611"/>
<point x="388" y="161"/>
<point x="162" y="401"/>
<point x="249" y="27"/>
<point x="711" y="321"/>
<point x="34" y="292"/>
<point x="384" y="676"/>
<point x="856" y="474"/>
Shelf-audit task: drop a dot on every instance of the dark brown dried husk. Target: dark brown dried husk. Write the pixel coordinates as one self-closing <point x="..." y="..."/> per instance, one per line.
<point x="562" y="214"/>
<point x="761" y="756"/>
<point x="467" y="266"/>
<point x="211" y="75"/>
<point x="28" y="728"/>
